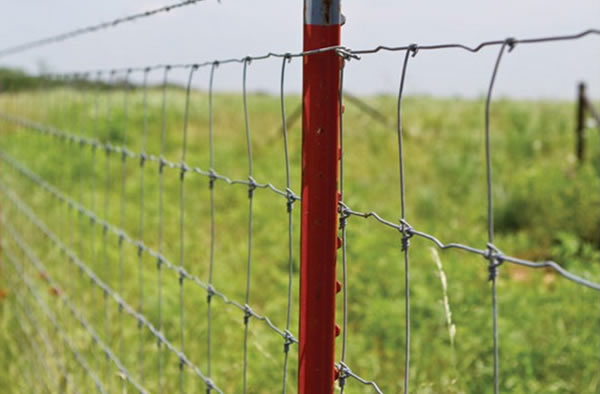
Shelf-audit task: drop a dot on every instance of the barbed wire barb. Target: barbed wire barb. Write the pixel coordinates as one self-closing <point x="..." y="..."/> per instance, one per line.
<point x="93" y="28"/>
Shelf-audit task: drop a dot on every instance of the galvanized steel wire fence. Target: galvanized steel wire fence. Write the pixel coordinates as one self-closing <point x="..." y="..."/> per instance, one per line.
<point x="93" y="146"/>
<point x="101" y="205"/>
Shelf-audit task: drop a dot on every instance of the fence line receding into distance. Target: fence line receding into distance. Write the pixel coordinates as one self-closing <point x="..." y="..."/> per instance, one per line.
<point x="109" y="199"/>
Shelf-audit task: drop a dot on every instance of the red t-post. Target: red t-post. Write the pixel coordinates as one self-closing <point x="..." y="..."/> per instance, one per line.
<point x="320" y="160"/>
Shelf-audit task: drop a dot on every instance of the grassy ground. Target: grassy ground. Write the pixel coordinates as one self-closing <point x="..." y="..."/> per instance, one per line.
<point x="546" y="206"/>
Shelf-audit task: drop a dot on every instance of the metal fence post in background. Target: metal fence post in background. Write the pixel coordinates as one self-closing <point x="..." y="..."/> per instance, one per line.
<point x="580" y="148"/>
<point x="320" y="159"/>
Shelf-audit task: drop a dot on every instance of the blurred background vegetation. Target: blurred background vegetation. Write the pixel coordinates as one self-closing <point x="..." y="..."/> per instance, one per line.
<point x="547" y="206"/>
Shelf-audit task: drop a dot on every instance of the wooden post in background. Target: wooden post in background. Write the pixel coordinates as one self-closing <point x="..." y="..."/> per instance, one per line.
<point x="580" y="126"/>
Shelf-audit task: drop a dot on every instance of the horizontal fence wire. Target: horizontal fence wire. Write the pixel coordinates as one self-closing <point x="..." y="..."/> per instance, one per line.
<point x="343" y="51"/>
<point x="77" y="315"/>
<point x="74" y="141"/>
<point x="491" y="253"/>
<point x="115" y="234"/>
<point x="92" y="28"/>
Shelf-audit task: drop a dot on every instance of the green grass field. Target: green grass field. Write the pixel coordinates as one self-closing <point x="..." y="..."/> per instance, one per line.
<point x="546" y="207"/>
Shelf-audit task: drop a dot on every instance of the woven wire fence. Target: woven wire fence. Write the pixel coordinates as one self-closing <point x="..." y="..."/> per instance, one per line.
<point x="101" y="203"/>
<point x="128" y="200"/>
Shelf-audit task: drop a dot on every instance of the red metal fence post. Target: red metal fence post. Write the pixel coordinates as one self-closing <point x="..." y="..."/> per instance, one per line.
<point x="320" y="160"/>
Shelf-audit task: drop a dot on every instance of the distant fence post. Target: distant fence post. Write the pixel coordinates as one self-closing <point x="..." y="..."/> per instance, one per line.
<point x="319" y="226"/>
<point x="580" y="127"/>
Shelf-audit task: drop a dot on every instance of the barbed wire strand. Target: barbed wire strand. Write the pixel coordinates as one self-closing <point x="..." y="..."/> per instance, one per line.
<point x="92" y="28"/>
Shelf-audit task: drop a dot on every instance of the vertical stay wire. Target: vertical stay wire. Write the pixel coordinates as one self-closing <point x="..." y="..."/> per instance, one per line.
<point x="33" y="332"/>
<point x="105" y="260"/>
<point x="69" y="217"/>
<point x="93" y="181"/>
<point x="41" y="89"/>
<point x="71" y="183"/>
<point x="62" y="376"/>
<point x="75" y="151"/>
<point x="251" y="188"/>
<point x="94" y="174"/>
<point x="290" y="206"/>
<point x="140" y="358"/>
<point x="97" y="383"/>
<point x="412" y="50"/>
<point x="182" y="225"/>
<point x="493" y="261"/>
<point x="342" y="225"/>
<point x="122" y="206"/>
<point x="82" y="125"/>
<point x="211" y="185"/>
<point x="65" y="216"/>
<point x="28" y="349"/>
<point x="161" y="187"/>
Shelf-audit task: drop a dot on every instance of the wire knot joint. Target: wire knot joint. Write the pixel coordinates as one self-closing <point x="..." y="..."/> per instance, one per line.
<point x="212" y="178"/>
<point x="413" y="49"/>
<point x="289" y="340"/>
<point x="291" y="199"/>
<point x="494" y="256"/>
<point x="248" y="313"/>
<point x="407" y="233"/>
<point x="510" y="42"/>
<point x="252" y="185"/>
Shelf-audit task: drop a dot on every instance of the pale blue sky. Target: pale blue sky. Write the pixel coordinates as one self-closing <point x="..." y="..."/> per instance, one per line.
<point x="236" y="28"/>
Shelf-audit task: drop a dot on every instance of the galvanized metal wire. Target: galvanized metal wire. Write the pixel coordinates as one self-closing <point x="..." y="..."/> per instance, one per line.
<point x="491" y="253"/>
<point x="92" y="28"/>
<point x="94" y="144"/>
<point x="73" y="259"/>
<point x="88" y="261"/>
